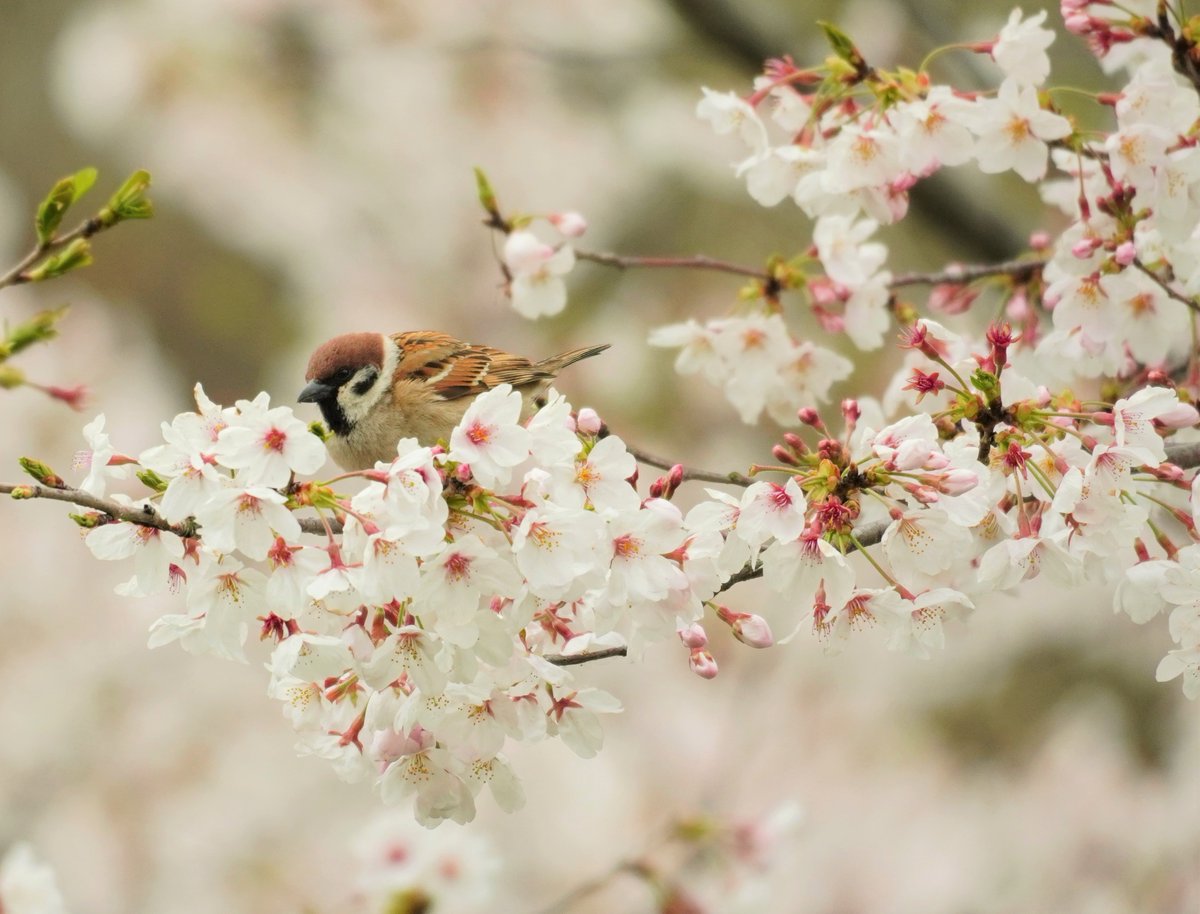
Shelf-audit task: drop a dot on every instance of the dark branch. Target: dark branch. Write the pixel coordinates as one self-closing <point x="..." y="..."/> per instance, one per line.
<point x="690" y="473"/>
<point x="585" y="657"/>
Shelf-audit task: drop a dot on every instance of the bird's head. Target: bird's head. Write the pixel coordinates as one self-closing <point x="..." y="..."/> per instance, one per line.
<point x="347" y="376"/>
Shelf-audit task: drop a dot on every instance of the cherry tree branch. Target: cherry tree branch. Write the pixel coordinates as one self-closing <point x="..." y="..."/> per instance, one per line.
<point x="1020" y="269"/>
<point x="1166" y="287"/>
<point x="690" y="473"/>
<point x="18" y="275"/>
<point x="585" y="656"/>
<point x="143" y="515"/>
<point x="693" y="262"/>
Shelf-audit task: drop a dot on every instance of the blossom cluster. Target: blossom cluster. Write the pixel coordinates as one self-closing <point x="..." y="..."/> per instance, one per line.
<point x="413" y="642"/>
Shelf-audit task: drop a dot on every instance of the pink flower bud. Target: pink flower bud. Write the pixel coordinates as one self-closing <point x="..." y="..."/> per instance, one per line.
<point x="588" y="421"/>
<point x="1078" y="23"/>
<point x="570" y="223"/>
<point x="752" y="630"/>
<point x="462" y="473"/>
<point x="1084" y="247"/>
<point x="693" y="636"/>
<point x="1039" y="241"/>
<point x="957" y="480"/>
<point x="1125" y="254"/>
<point x="703" y="664"/>
<point x="1182" y="416"/>
<point x="924" y="494"/>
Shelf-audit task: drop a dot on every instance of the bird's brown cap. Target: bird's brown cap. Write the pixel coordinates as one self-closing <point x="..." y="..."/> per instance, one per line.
<point x="350" y="350"/>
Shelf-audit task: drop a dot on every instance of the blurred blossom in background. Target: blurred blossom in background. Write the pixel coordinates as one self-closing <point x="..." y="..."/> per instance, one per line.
<point x="312" y="166"/>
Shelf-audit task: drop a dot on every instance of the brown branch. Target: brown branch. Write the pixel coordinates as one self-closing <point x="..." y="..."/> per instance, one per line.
<point x="867" y="536"/>
<point x="144" y="515"/>
<point x="586" y="656"/>
<point x="690" y="473"/>
<point x="1166" y="287"/>
<point x="1020" y="271"/>
<point x="694" y="262"/>
<point x="16" y="276"/>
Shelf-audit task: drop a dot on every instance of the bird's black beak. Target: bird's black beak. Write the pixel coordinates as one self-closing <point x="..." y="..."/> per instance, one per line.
<point x="316" y="391"/>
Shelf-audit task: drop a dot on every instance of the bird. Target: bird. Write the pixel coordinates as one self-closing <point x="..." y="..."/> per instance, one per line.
<point x="374" y="389"/>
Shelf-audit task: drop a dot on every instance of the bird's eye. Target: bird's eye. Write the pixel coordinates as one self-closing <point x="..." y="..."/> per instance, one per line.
<point x="342" y="375"/>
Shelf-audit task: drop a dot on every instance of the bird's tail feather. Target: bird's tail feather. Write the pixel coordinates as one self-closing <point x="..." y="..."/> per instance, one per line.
<point x="559" y="362"/>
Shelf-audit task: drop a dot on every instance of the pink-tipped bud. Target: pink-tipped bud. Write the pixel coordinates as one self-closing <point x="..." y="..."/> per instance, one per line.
<point x="784" y="456"/>
<point x="851" y="411"/>
<point x="571" y="224"/>
<point x="1125" y="254"/>
<point x="809" y="416"/>
<point x="693" y="637"/>
<point x="1085" y="247"/>
<point x="703" y="664"/>
<point x="747" y="627"/>
<point x="1182" y="416"/>
<point x="752" y="630"/>
<point x="588" y="421"/>
<point x="1039" y="241"/>
<point x="658" y="488"/>
<point x="956" y="481"/>
<point x="675" y="477"/>
<point x="795" y="442"/>
<point x="462" y="473"/>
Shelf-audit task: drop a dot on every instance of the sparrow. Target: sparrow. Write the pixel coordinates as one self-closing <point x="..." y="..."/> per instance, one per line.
<point x="374" y="388"/>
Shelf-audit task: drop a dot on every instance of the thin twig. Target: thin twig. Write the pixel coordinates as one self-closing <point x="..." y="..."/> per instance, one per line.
<point x="690" y="473"/>
<point x="582" y="891"/>
<point x="16" y="276"/>
<point x="1166" y="287"/>
<point x="1020" y="270"/>
<point x="586" y="656"/>
<point x="867" y="536"/>
<point x="693" y="262"/>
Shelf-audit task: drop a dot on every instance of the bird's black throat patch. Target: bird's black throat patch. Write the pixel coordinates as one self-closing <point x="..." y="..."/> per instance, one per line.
<point x="335" y="418"/>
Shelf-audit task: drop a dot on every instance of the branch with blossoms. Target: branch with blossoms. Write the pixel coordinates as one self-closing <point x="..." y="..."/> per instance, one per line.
<point x="57" y="253"/>
<point x="451" y="591"/>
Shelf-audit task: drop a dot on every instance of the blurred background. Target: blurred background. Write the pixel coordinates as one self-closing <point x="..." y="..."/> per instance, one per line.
<point x="312" y="175"/>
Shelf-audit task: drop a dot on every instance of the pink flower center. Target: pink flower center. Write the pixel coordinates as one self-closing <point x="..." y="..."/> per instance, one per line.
<point x="627" y="546"/>
<point x="274" y="440"/>
<point x="458" y="567"/>
<point x="479" y="434"/>
<point x="779" y="497"/>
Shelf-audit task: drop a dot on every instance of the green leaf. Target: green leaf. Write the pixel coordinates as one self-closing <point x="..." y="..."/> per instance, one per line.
<point x="38" y="329"/>
<point x="152" y="480"/>
<point x="129" y="202"/>
<point x="842" y="46"/>
<point x="51" y="211"/>
<point x="41" y="472"/>
<point x="487" y="196"/>
<point x="986" y="383"/>
<point x="75" y="255"/>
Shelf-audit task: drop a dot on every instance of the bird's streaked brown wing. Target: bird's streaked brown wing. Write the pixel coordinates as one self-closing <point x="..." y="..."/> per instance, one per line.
<point x="451" y="368"/>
